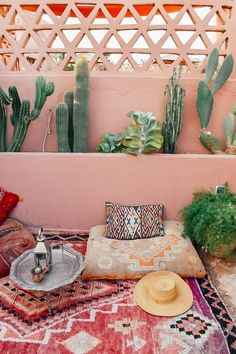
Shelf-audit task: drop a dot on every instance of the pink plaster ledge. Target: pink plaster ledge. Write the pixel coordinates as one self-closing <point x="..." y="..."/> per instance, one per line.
<point x="68" y="191"/>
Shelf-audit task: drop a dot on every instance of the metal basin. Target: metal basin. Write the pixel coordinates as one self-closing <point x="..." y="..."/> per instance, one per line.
<point x="67" y="264"/>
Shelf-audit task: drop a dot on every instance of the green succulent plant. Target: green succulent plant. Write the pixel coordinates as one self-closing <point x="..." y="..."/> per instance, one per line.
<point x="143" y="135"/>
<point x="110" y="143"/>
<point x="210" y="221"/>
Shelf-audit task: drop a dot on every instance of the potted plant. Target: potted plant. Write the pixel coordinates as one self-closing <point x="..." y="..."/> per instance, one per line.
<point x="210" y="221"/>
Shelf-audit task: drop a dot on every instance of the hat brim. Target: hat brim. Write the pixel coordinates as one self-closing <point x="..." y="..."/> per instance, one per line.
<point x="179" y="305"/>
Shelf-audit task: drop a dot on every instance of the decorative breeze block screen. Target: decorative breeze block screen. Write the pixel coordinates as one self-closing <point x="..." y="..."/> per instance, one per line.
<point x="118" y="36"/>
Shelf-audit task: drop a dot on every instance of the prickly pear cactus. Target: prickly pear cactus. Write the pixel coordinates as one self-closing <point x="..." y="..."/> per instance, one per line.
<point x="230" y="133"/>
<point x="205" y="101"/>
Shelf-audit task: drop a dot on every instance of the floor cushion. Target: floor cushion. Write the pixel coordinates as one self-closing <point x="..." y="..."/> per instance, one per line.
<point x="14" y="240"/>
<point x="121" y="259"/>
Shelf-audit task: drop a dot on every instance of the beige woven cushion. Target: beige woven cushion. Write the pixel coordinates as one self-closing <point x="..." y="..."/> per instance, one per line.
<point x="121" y="259"/>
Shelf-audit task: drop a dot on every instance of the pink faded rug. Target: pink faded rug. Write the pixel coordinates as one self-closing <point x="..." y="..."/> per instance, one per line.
<point x="101" y="317"/>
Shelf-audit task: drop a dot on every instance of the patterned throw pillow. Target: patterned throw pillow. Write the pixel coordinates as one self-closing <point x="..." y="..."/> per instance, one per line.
<point x="130" y="222"/>
<point x="8" y="202"/>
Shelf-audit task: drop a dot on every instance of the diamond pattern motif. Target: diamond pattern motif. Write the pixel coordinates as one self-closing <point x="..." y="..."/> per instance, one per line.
<point x="116" y="37"/>
<point x="128" y="222"/>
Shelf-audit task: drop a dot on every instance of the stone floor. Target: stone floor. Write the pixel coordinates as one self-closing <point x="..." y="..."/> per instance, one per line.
<point x="223" y="276"/>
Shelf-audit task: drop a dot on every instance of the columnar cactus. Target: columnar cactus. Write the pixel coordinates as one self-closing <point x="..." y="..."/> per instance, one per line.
<point x="80" y="111"/>
<point x="69" y="101"/>
<point x="77" y="104"/>
<point x="173" y="111"/>
<point x="62" y="120"/>
<point x="21" y="116"/>
<point x="205" y="97"/>
<point x="4" y="100"/>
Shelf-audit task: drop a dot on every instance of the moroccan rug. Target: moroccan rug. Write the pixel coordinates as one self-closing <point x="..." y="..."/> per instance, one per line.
<point x="101" y="317"/>
<point x="223" y="276"/>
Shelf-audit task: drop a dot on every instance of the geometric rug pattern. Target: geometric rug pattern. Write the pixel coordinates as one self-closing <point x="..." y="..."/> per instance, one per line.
<point x="102" y="317"/>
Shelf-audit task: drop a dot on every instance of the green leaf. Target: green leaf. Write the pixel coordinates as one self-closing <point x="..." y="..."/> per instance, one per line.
<point x="212" y="65"/>
<point x="224" y="73"/>
<point x="204" y="103"/>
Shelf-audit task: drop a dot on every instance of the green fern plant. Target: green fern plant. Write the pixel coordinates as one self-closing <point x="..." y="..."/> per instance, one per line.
<point x="210" y="221"/>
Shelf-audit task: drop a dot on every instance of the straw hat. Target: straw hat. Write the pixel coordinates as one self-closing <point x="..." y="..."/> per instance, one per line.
<point x="163" y="293"/>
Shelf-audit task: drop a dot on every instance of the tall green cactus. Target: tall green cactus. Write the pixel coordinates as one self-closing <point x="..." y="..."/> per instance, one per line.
<point x="77" y="104"/>
<point x="69" y="101"/>
<point x="206" y="91"/>
<point x="173" y="111"/>
<point x="4" y="100"/>
<point x="62" y="120"/>
<point x="21" y="116"/>
<point x="80" y="111"/>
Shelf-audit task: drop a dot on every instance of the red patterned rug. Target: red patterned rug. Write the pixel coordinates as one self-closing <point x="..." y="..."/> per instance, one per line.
<point x="101" y="317"/>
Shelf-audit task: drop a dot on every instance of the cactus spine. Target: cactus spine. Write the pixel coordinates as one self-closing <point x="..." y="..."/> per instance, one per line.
<point x="173" y="111"/>
<point x="62" y="120"/>
<point x="77" y="104"/>
<point x="205" y="99"/>
<point x="21" y="116"/>
<point x="80" y="110"/>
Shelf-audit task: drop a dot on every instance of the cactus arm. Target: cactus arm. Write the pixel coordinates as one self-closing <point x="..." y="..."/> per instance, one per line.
<point x="4" y="98"/>
<point x="50" y="87"/>
<point x="212" y="65"/>
<point x="3" y="122"/>
<point x="16" y="104"/>
<point x="223" y="74"/>
<point x="62" y="121"/>
<point x="69" y="101"/>
<point x="80" y="111"/>
<point x="229" y="128"/>
<point x="204" y="103"/>
<point x="43" y="90"/>
<point x="20" y="128"/>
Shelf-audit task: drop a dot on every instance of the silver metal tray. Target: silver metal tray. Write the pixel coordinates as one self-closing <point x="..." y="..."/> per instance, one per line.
<point x="67" y="264"/>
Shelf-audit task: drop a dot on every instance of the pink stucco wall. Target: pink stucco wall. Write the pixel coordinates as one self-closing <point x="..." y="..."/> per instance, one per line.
<point x="112" y="97"/>
<point x="68" y="191"/>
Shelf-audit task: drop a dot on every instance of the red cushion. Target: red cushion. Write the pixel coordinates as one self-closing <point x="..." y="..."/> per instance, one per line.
<point x="14" y="240"/>
<point x="8" y="201"/>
